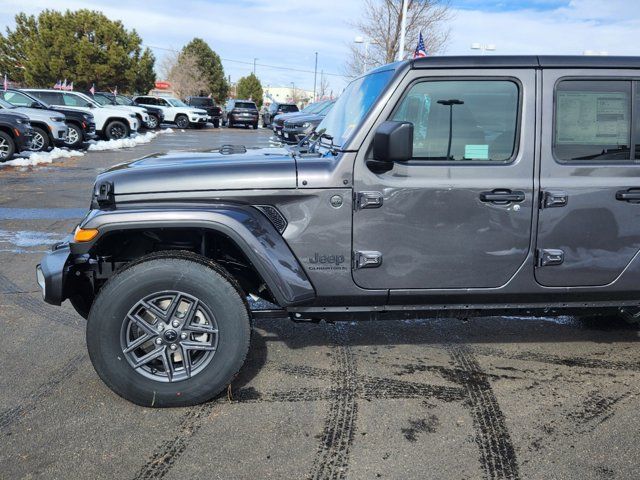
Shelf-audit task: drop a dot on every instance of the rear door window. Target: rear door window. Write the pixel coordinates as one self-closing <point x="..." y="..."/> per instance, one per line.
<point x="592" y="121"/>
<point x="288" y="108"/>
<point x="636" y="117"/>
<point x="462" y="120"/>
<point x="52" y="98"/>
<point x="17" y="99"/>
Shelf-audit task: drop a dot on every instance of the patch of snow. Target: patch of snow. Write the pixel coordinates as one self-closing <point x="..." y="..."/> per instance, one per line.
<point x="122" y="143"/>
<point x="168" y="130"/>
<point x="38" y="158"/>
<point x="25" y="238"/>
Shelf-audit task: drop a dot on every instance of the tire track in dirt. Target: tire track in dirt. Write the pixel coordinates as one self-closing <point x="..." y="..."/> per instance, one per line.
<point x="11" y="415"/>
<point x="497" y="454"/>
<point x="332" y="458"/>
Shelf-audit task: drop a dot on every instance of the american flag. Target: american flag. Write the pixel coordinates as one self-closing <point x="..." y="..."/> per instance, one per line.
<point x="6" y="82"/>
<point x="93" y="89"/>
<point x="70" y="87"/>
<point x="64" y="85"/>
<point x="420" y="50"/>
<point x="58" y="85"/>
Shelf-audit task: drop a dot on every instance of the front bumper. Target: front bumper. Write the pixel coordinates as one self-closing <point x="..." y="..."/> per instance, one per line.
<point x="293" y="135"/>
<point x="59" y="135"/>
<point x="23" y="141"/>
<point x="198" y="119"/>
<point x="51" y="273"/>
<point x="89" y="131"/>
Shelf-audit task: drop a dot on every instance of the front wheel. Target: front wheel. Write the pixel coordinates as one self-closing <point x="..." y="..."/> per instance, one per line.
<point x="169" y="331"/>
<point x="40" y="141"/>
<point x="116" y="130"/>
<point x="73" y="138"/>
<point x="255" y="126"/>
<point x="153" y="122"/>
<point x="7" y="147"/>
<point x="182" y="121"/>
<point x="216" y="123"/>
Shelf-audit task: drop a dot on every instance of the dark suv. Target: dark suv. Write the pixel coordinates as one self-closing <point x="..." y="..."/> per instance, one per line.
<point x="439" y="186"/>
<point x="276" y="109"/>
<point x="206" y="103"/>
<point x="242" y="112"/>
<point x="15" y="134"/>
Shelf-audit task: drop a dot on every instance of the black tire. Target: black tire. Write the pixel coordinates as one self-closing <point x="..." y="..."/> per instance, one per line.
<point x="216" y="123"/>
<point x="116" y="130"/>
<point x="182" y="122"/>
<point x="158" y="274"/>
<point x="74" y="136"/>
<point x="255" y="126"/>
<point x="154" y="122"/>
<point x="7" y="147"/>
<point x="229" y="122"/>
<point x="40" y="142"/>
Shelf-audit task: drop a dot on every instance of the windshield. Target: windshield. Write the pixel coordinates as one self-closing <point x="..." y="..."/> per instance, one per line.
<point x="122" y="100"/>
<point x="19" y="99"/>
<point x="325" y="108"/>
<point x="102" y="100"/>
<point x="314" y="107"/>
<point x="201" y="102"/>
<point x="353" y="105"/>
<point x="176" y="103"/>
<point x="84" y="97"/>
<point x="288" y="108"/>
<point x="4" y="104"/>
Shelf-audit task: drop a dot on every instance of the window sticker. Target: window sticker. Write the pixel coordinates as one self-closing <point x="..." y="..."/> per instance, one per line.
<point x="476" y="152"/>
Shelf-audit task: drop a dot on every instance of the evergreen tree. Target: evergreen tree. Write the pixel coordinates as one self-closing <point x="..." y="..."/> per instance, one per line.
<point x="249" y="87"/>
<point x="83" y="46"/>
<point x="211" y="67"/>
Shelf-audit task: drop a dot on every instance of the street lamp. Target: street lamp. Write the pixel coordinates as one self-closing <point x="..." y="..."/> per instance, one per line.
<point x="254" y="65"/>
<point x="366" y="42"/>
<point x="293" y="92"/>
<point x="490" y="47"/>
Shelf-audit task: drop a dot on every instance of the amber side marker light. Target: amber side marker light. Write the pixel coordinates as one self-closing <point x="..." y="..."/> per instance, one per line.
<point x="84" y="235"/>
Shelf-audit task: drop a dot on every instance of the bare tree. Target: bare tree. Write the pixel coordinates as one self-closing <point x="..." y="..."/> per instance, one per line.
<point x="182" y="72"/>
<point x="380" y="28"/>
<point x="323" y="87"/>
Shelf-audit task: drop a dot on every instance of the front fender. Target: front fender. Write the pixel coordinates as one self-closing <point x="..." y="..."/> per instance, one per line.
<point x="252" y="232"/>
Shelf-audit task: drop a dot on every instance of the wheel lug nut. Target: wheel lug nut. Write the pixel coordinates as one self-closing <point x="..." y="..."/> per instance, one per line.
<point x="176" y="323"/>
<point x="173" y="346"/>
<point x="183" y="335"/>
<point x="158" y="341"/>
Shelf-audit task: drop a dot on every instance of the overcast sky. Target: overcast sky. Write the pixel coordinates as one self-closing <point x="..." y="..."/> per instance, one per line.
<point x="286" y="33"/>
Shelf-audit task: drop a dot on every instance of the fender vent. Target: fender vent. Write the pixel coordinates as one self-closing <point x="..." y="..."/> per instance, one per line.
<point x="274" y="216"/>
<point x="230" y="149"/>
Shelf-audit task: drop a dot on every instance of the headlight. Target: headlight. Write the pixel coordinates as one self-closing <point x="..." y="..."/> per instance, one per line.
<point x="306" y="125"/>
<point x="57" y="119"/>
<point x="87" y="117"/>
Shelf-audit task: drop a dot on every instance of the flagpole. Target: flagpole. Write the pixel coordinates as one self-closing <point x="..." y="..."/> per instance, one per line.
<point x="403" y="27"/>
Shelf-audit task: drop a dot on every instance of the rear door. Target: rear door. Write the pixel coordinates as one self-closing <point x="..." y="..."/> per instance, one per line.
<point x="458" y="214"/>
<point x="589" y="221"/>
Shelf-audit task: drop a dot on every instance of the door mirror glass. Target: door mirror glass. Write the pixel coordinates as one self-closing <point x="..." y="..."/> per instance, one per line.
<point x="393" y="142"/>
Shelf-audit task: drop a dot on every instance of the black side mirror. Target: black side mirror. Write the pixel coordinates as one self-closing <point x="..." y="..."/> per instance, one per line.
<point x="35" y="105"/>
<point x="393" y="142"/>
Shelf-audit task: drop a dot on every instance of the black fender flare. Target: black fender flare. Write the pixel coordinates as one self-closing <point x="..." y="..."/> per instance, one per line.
<point x="251" y="231"/>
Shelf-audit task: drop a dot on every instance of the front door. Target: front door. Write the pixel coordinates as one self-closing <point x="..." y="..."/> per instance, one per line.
<point x="458" y="214"/>
<point x="589" y="178"/>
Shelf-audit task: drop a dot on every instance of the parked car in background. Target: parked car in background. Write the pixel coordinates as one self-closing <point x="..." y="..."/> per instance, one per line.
<point x="111" y="123"/>
<point x="206" y="103"/>
<point x="299" y="126"/>
<point x="49" y="129"/>
<point x="276" y="109"/>
<point x="156" y="114"/>
<point x="240" y="112"/>
<point x="175" y="111"/>
<point x="15" y="134"/>
<point x="107" y="99"/>
<point x="278" y="121"/>
<point x="81" y="126"/>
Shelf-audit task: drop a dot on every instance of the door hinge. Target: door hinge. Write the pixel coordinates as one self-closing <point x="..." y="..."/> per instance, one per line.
<point x="552" y="199"/>
<point x="548" y="257"/>
<point x="368" y="200"/>
<point x="367" y="259"/>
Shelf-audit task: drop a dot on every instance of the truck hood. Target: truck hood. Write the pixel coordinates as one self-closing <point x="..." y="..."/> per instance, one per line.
<point x="260" y="168"/>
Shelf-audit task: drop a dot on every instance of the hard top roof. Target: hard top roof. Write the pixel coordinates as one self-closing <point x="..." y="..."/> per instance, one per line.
<point x="527" y="61"/>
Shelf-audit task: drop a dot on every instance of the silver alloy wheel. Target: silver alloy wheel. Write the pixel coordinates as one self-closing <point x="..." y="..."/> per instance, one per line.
<point x="37" y="142"/>
<point x="152" y="122"/>
<point x="169" y="336"/>
<point x="71" y="138"/>
<point x="4" y="148"/>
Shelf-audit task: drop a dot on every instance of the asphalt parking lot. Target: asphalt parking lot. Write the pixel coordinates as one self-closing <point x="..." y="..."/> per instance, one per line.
<point x="493" y="398"/>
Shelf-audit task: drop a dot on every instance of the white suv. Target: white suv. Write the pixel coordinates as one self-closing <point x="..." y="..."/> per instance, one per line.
<point x="175" y="111"/>
<point x="111" y="123"/>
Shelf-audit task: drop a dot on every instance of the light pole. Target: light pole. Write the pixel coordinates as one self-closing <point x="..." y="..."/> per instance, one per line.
<point x="254" y="65"/>
<point x="366" y="42"/>
<point x="315" y="76"/>
<point x="490" y="47"/>
<point x="293" y="92"/>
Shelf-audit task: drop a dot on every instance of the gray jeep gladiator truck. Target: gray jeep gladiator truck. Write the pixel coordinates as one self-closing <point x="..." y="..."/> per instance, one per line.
<point x="450" y="186"/>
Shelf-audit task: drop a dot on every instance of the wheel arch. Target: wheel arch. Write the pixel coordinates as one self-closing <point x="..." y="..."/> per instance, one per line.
<point x="245" y="228"/>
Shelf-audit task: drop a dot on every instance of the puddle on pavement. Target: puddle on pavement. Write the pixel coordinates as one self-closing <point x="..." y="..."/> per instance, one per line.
<point x="27" y="239"/>
<point x="41" y="213"/>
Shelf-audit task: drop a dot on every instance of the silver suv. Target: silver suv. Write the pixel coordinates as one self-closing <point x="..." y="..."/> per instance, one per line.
<point x="49" y="127"/>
